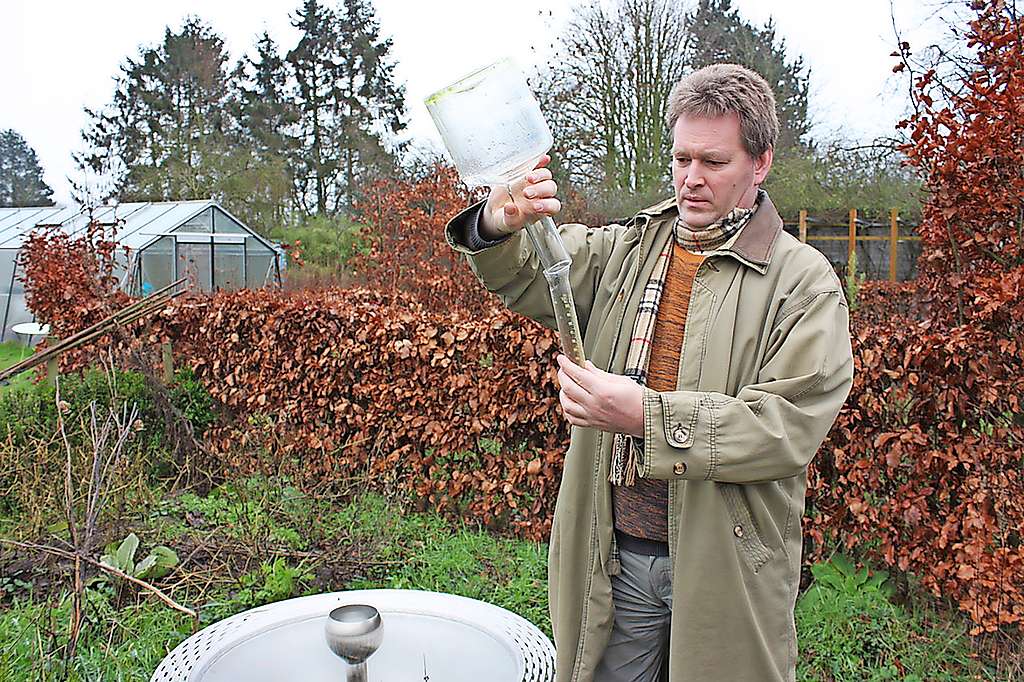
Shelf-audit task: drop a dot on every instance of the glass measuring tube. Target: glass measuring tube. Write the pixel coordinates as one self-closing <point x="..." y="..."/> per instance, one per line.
<point x="555" y="261"/>
<point x="570" y="337"/>
<point x="547" y="243"/>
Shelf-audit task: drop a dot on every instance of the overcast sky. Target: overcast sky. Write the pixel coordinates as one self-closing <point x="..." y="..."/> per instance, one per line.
<point x="61" y="56"/>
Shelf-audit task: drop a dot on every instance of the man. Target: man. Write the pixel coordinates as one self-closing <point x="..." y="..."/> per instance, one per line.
<point x="718" y="358"/>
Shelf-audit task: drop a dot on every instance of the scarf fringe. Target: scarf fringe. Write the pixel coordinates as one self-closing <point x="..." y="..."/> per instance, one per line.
<point x="625" y="462"/>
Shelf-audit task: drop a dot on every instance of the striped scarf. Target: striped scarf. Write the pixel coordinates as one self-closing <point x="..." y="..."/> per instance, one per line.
<point x="627" y="450"/>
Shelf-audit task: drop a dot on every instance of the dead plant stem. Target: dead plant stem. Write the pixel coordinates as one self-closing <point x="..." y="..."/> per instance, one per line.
<point x="78" y="557"/>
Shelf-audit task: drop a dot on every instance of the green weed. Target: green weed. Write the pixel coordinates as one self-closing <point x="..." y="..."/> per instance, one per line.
<point x="425" y="552"/>
<point x="850" y="629"/>
<point x="119" y="644"/>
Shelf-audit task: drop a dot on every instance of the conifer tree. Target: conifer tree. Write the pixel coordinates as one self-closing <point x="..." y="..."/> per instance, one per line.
<point x="717" y="33"/>
<point x="21" y="177"/>
<point x="263" y="130"/>
<point x="162" y="137"/>
<point x="313" y="61"/>
<point x="349" y="104"/>
<point x="371" y="102"/>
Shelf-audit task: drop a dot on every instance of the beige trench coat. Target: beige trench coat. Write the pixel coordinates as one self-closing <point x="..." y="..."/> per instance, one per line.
<point x="765" y="367"/>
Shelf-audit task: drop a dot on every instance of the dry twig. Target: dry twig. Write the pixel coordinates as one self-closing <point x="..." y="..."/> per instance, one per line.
<point x="78" y="557"/>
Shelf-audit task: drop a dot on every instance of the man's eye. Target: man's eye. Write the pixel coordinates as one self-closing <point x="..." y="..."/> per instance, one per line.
<point x="682" y="161"/>
<point x="716" y="163"/>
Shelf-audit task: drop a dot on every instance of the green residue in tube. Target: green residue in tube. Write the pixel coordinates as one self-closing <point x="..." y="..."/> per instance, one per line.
<point x="461" y="85"/>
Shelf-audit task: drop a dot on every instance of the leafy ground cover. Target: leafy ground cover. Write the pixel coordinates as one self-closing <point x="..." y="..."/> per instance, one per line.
<point x="255" y="540"/>
<point x="247" y="543"/>
<point x="852" y="629"/>
<point x="222" y="545"/>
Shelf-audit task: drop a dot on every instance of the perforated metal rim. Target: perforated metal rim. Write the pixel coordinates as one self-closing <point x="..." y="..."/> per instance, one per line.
<point x="190" y="659"/>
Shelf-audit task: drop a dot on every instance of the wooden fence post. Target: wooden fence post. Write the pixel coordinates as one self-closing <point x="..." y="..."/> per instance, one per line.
<point x="853" y="234"/>
<point x="168" y="362"/>
<point x="803" y="225"/>
<point x="894" y="235"/>
<point x="52" y="365"/>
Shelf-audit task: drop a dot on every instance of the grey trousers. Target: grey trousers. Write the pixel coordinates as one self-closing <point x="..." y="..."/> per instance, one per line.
<point x="642" y="594"/>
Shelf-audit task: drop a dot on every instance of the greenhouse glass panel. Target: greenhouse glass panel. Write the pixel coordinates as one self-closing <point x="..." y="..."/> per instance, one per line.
<point x="229" y="266"/>
<point x="194" y="263"/>
<point x="7" y="270"/>
<point x="120" y="267"/>
<point x="13" y="309"/>
<point x="6" y="284"/>
<point x="223" y="223"/>
<point x="203" y="222"/>
<point x="18" y="289"/>
<point x="157" y="265"/>
<point x="258" y="263"/>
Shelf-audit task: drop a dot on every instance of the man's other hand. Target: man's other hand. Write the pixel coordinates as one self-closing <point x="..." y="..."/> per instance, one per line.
<point x="533" y="196"/>
<point x="592" y="397"/>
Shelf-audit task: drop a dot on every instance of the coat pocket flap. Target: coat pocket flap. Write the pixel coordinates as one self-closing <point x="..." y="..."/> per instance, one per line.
<point x="679" y="424"/>
<point x="744" y="530"/>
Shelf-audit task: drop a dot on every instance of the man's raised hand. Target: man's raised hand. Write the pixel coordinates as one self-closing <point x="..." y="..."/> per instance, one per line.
<point x="532" y="197"/>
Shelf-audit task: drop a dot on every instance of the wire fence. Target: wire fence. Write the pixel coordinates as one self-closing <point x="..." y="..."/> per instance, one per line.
<point x="886" y="249"/>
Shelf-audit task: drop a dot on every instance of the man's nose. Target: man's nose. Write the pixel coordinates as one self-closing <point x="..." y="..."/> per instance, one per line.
<point x="694" y="175"/>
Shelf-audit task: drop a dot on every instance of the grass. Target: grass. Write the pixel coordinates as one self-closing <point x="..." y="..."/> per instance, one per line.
<point x="425" y="552"/>
<point x="253" y="541"/>
<point x="119" y="643"/>
<point x="244" y="538"/>
<point x="12" y="353"/>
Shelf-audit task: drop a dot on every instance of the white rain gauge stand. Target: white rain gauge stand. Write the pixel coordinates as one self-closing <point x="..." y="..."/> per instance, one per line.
<point x="365" y="636"/>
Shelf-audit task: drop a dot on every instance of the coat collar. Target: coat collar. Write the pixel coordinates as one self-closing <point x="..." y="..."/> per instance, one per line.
<point x="755" y="243"/>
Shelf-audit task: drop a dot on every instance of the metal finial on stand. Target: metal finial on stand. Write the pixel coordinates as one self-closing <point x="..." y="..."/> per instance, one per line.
<point x="354" y="632"/>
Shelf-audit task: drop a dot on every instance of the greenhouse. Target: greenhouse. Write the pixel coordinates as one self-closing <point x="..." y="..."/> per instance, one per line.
<point x="158" y="243"/>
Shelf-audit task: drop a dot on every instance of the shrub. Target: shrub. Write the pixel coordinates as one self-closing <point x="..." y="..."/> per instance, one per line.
<point x="924" y="464"/>
<point x="326" y="241"/>
<point x="33" y="454"/>
<point x="336" y="384"/>
<point x="193" y="400"/>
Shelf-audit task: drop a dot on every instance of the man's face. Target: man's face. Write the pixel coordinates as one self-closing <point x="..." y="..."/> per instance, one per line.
<point x="711" y="171"/>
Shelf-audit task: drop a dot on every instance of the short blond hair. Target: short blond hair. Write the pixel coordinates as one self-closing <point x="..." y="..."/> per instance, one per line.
<point x="722" y="89"/>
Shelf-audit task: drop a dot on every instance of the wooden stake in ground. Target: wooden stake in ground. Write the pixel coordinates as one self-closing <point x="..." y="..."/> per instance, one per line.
<point x="126" y="315"/>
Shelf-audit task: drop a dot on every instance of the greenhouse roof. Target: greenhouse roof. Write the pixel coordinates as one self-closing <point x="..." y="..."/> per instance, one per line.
<point x="136" y="224"/>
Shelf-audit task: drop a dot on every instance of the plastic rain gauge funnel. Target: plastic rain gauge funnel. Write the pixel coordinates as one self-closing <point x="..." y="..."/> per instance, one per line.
<point x="493" y="128"/>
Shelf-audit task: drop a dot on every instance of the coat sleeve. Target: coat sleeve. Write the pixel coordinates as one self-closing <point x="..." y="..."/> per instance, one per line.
<point x="511" y="269"/>
<point x="771" y="428"/>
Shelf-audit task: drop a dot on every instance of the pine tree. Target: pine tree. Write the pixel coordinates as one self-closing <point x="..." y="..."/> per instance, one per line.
<point x="262" y="109"/>
<point x="370" y="101"/>
<point x="348" y="102"/>
<point x="21" y="177"/>
<point x="313" y="65"/>
<point x="262" y="129"/>
<point x="162" y="137"/>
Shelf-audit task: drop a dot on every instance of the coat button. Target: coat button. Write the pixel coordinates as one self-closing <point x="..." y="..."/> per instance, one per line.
<point x="679" y="432"/>
<point x="738" y="531"/>
<point x="679" y="468"/>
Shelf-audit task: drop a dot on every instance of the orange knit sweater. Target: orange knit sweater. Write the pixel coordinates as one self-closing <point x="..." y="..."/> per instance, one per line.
<point x="642" y="509"/>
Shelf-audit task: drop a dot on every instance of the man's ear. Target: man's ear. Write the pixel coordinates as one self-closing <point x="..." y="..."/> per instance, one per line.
<point x="763" y="164"/>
